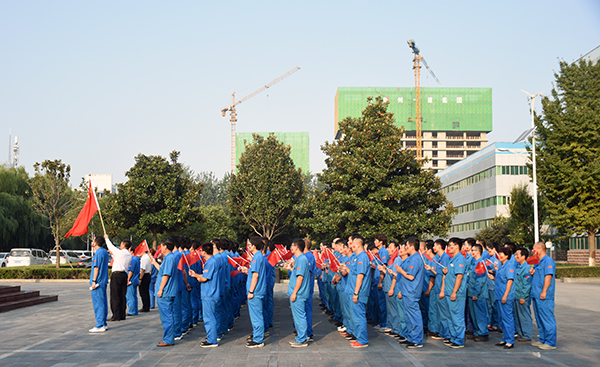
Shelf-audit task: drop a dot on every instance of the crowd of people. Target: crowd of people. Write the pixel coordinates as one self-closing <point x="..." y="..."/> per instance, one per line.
<point x="410" y="290"/>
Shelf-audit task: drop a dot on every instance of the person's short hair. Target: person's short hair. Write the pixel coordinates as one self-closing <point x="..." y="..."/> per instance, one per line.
<point x="456" y="241"/>
<point x="169" y="243"/>
<point x="482" y="243"/>
<point x="394" y="243"/>
<point x="429" y="245"/>
<point x="99" y="240"/>
<point x="339" y="241"/>
<point x="299" y="242"/>
<point x="370" y="245"/>
<point x="344" y="243"/>
<point x="414" y="242"/>
<point x="223" y="244"/>
<point x="471" y="241"/>
<point x="196" y="244"/>
<point x="442" y="243"/>
<point x="307" y="243"/>
<point x="152" y="251"/>
<point x="257" y="242"/>
<point x="511" y="246"/>
<point x="208" y="247"/>
<point x="506" y="251"/>
<point x="359" y="238"/>
<point x="383" y="238"/>
<point x="127" y="244"/>
<point x="524" y="252"/>
<point x="478" y="247"/>
<point x="492" y="245"/>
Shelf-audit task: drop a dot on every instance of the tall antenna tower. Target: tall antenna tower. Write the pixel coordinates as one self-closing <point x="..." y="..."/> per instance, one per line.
<point x="9" y="142"/>
<point x="15" y="149"/>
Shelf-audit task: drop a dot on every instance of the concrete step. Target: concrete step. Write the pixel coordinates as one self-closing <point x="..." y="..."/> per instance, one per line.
<point x="31" y="301"/>
<point x="15" y="296"/>
<point x="9" y="288"/>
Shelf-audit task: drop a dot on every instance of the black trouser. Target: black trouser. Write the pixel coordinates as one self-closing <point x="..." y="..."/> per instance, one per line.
<point x="145" y="292"/>
<point x="118" y="294"/>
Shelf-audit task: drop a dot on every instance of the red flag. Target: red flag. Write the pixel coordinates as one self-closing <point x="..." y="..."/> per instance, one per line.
<point x="534" y="260"/>
<point x="428" y="257"/>
<point x="239" y="260"/>
<point x="370" y="255"/>
<point x="480" y="268"/>
<point x="464" y="252"/>
<point x="233" y="273"/>
<point x="188" y="259"/>
<point x="488" y="262"/>
<point x="333" y="261"/>
<point x="142" y="247"/>
<point x="393" y="258"/>
<point x="274" y="257"/>
<point x="83" y="219"/>
<point x="318" y="261"/>
<point x="158" y="251"/>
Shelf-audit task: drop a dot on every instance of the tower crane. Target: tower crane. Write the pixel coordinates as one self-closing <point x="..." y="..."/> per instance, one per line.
<point x="233" y="113"/>
<point x="418" y="59"/>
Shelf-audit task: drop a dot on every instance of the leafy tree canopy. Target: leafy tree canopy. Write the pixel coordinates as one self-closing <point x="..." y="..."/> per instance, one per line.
<point x="520" y="223"/>
<point x="496" y="233"/>
<point x="372" y="185"/>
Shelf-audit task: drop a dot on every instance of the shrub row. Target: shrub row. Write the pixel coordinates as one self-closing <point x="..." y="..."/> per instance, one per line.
<point x="577" y="272"/>
<point x="44" y="272"/>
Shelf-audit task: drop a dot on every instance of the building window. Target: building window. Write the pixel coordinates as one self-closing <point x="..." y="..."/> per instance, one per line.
<point x="455" y="125"/>
<point x="429" y="100"/>
<point x="400" y="100"/>
<point x="434" y="134"/>
<point x="458" y="99"/>
<point x="444" y="100"/>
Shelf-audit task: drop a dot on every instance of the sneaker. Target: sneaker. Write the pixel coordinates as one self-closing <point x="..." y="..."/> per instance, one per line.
<point x="341" y="328"/>
<point x="437" y="336"/>
<point x="206" y="344"/>
<point x="401" y="339"/>
<point x="97" y="329"/>
<point x="404" y="342"/>
<point x="546" y="347"/>
<point x="295" y="344"/>
<point x="537" y="344"/>
<point x="456" y="346"/>
<point x="267" y="333"/>
<point x="356" y="344"/>
<point x="481" y="338"/>
<point x="386" y="329"/>
<point x="470" y="336"/>
<point x="348" y="336"/>
<point x="414" y="346"/>
<point x="310" y="339"/>
<point x="249" y="337"/>
<point x="179" y="337"/>
<point x="253" y="344"/>
<point x="519" y="339"/>
<point x="352" y="338"/>
<point x="377" y="328"/>
<point x="447" y="342"/>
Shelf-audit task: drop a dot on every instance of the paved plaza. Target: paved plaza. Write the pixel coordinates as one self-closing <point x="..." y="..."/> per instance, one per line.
<point x="56" y="335"/>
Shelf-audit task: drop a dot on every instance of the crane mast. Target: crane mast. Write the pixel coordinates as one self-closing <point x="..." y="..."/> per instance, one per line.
<point x="233" y="114"/>
<point x="418" y="59"/>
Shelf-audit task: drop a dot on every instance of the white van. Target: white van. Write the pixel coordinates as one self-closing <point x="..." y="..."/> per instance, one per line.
<point x="26" y="257"/>
<point x="66" y="256"/>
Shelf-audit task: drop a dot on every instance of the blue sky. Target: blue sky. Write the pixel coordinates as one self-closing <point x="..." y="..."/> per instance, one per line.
<point x="95" y="83"/>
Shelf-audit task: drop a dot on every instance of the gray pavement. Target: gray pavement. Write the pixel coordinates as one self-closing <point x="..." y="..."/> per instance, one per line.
<point x="56" y="334"/>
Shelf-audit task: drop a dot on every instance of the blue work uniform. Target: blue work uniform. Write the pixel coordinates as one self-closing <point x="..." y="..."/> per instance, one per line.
<point x="477" y="287"/>
<point x="99" y="300"/>
<point x="505" y="273"/>
<point x="443" y="313"/>
<point x="152" y="289"/>
<point x="413" y="265"/>
<point x="132" y="289"/>
<point x="384" y="255"/>
<point x="399" y="289"/>
<point x="301" y="268"/>
<point x="311" y="287"/>
<point x="523" y="321"/>
<point x="456" y="308"/>
<point x="195" y="298"/>
<point x="360" y="265"/>
<point x="493" y="313"/>
<point x="186" y="301"/>
<point x="255" y="305"/>
<point x="210" y="294"/>
<point x="544" y="308"/>
<point x="166" y="302"/>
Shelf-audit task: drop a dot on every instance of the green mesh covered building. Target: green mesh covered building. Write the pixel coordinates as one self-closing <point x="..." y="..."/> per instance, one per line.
<point x="455" y="121"/>
<point x="298" y="142"/>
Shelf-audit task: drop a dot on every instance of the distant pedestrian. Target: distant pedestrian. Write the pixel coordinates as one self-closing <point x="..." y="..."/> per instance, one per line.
<point x="98" y="282"/>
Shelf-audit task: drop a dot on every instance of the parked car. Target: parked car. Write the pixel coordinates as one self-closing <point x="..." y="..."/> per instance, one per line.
<point x="26" y="257"/>
<point x="66" y="257"/>
<point x="3" y="257"/>
<point x="83" y="254"/>
<point x="85" y="263"/>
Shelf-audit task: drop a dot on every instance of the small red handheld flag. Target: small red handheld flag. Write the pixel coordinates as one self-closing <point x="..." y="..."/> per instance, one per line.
<point x="480" y="268"/>
<point x="85" y="215"/>
<point x="274" y="258"/>
<point x="534" y="260"/>
<point x="393" y="258"/>
<point x="142" y="247"/>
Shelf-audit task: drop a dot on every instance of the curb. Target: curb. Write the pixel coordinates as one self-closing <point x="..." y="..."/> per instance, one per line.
<point x="579" y="280"/>
<point x="44" y="280"/>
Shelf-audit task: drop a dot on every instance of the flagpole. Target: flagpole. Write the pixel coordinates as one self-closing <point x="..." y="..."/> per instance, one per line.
<point x="97" y="205"/>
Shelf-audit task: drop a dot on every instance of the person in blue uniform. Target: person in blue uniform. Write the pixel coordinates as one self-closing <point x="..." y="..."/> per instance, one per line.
<point x="454" y="293"/>
<point x="256" y="286"/>
<point x="298" y="292"/>
<point x="411" y="273"/>
<point x="399" y="330"/>
<point x="384" y="256"/>
<point x="477" y="294"/>
<point x="505" y="297"/>
<point x="153" y="275"/>
<point x="133" y="281"/>
<point x="491" y="262"/>
<point x="359" y="281"/>
<point x="210" y="293"/>
<point x="98" y="283"/>
<point x="542" y="294"/>
<point x="438" y="312"/>
<point x="166" y="285"/>
<point x="523" y="321"/>
<point x="195" y="297"/>
<point x="311" y="286"/>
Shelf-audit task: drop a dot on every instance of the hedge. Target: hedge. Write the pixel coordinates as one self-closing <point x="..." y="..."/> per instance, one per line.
<point x="577" y="272"/>
<point x="44" y="272"/>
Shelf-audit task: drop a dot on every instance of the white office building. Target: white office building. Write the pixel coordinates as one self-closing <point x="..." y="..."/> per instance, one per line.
<point x="100" y="183"/>
<point x="479" y="186"/>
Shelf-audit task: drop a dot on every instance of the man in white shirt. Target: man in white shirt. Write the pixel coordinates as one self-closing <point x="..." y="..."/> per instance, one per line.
<point x="118" y="279"/>
<point x="145" y="270"/>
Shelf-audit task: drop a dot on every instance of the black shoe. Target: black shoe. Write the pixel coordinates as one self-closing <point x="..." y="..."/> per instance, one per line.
<point x="114" y="319"/>
<point x="406" y="342"/>
<point x="456" y="346"/>
<point x="414" y="346"/>
<point x="130" y="314"/>
<point x="481" y="338"/>
<point x="509" y="346"/>
<point x="447" y="342"/>
<point x="470" y="336"/>
<point x="144" y="310"/>
<point x="352" y="338"/>
<point x="206" y="344"/>
<point x="253" y="344"/>
<point x="501" y="344"/>
<point x="400" y="339"/>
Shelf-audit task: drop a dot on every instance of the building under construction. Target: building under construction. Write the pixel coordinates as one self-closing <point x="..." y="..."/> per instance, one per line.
<point x="298" y="141"/>
<point x="455" y="121"/>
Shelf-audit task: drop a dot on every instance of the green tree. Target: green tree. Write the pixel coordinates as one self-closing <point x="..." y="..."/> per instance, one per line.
<point x="520" y="222"/>
<point x="214" y="191"/>
<point x="266" y="186"/>
<point x="497" y="232"/>
<point x="568" y="150"/>
<point x="53" y="199"/>
<point x="158" y="197"/>
<point x="372" y="185"/>
<point x="20" y="225"/>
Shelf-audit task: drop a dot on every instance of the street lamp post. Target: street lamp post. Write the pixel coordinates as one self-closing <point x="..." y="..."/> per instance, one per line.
<point x="536" y="226"/>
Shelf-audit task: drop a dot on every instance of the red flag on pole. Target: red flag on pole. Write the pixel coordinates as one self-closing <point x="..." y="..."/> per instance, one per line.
<point x="393" y="258"/>
<point x="534" y="260"/>
<point x="274" y="257"/>
<point x="142" y="247"/>
<point x="83" y="219"/>
<point x="158" y="251"/>
<point x="480" y="269"/>
<point x="189" y="259"/>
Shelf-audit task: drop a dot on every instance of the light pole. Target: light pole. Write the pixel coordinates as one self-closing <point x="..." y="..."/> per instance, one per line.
<point x="536" y="226"/>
